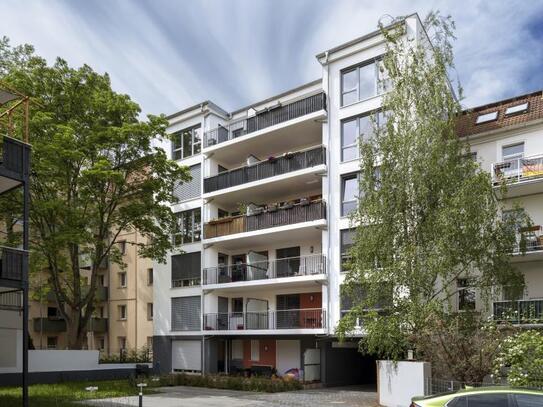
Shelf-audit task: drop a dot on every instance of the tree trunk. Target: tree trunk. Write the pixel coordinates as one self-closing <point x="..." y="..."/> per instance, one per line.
<point x="76" y="334"/>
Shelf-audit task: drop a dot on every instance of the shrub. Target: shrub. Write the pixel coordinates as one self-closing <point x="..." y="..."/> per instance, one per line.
<point x="259" y="384"/>
<point x="520" y="359"/>
<point x="142" y="355"/>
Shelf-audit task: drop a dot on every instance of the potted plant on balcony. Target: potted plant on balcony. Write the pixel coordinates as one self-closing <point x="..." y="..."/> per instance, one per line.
<point x="304" y="201"/>
<point x="287" y="205"/>
<point x="288" y="155"/>
<point x="272" y="207"/>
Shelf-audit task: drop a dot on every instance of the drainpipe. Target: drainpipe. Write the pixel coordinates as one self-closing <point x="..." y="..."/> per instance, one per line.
<point x="328" y="206"/>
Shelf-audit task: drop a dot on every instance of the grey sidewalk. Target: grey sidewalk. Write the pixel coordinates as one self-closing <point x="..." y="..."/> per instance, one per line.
<point x="181" y="396"/>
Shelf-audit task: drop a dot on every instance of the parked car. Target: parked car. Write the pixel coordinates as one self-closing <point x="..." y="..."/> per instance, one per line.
<point x="497" y="396"/>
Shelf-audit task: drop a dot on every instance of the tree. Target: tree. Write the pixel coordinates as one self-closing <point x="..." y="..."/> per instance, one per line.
<point x="520" y="359"/>
<point x="428" y="215"/>
<point x="95" y="173"/>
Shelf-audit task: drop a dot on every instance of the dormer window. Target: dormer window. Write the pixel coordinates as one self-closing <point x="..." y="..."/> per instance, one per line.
<point x="487" y="117"/>
<point x="517" y="109"/>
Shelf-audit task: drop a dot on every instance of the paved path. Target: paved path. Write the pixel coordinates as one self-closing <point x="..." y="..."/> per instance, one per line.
<point x="181" y="396"/>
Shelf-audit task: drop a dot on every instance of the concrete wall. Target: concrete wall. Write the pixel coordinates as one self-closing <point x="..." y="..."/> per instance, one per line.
<point x="398" y="382"/>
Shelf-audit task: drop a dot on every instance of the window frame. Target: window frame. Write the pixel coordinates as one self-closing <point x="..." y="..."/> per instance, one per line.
<point x="465" y="291"/>
<point x="344" y="178"/>
<point x="55" y="340"/>
<point x="378" y="88"/>
<point x="150" y="311"/>
<point x="178" y="144"/>
<point x="122" y="312"/>
<point x="342" y="254"/>
<point x="123" y="279"/>
<point x="150" y="276"/>
<point x="377" y="114"/>
<point x="195" y="227"/>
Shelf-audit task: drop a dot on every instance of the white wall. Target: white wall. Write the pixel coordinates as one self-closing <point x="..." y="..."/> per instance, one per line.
<point x="11" y="341"/>
<point x="398" y="382"/>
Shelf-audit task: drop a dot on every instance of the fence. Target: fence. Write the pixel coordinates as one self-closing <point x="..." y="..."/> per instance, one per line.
<point x="437" y="386"/>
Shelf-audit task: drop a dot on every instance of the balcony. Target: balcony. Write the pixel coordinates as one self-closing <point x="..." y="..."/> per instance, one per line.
<point x="49" y="325"/>
<point x="101" y="294"/>
<point x="186" y="282"/>
<point x="519" y="312"/>
<point x="273" y="166"/>
<point x="304" y="211"/>
<point x="97" y="325"/>
<point x="298" y="319"/>
<point x="530" y="241"/>
<point x="11" y="266"/>
<point x="522" y="175"/>
<point x="11" y="300"/>
<point x="266" y="119"/>
<point x="14" y="164"/>
<point x="264" y="271"/>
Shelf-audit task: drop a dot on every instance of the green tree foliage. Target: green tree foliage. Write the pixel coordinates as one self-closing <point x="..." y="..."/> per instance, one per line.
<point x="520" y="359"/>
<point x="429" y="215"/>
<point x="95" y="173"/>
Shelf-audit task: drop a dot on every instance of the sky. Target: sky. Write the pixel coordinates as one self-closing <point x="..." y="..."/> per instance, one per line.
<point x="171" y="54"/>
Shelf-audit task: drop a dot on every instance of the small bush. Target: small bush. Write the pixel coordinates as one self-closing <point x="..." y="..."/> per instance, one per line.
<point x="142" y="355"/>
<point x="259" y="384"/>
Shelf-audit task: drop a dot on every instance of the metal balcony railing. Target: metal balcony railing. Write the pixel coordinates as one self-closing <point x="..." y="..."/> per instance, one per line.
<point x="12" y="263"/>
<point x="519" y="312"/>
<point x="265" y="119"/>
<point x="263" y="270"/>
<point x="518" y="169"/>
<point x="311" y="318"/>
<point x="15" y="158"/>
<point x="97" y="325"/>
<point x="11" y="300"/>
<point x="186" y="282"/>
<point x="268" y="218"/>
<point x="529" y="239"/>
<point x="271" y="167"/>
<point x="49" y="325"/>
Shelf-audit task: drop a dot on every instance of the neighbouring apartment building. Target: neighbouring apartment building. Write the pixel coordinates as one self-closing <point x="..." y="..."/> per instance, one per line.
<point x="506" y="138"/>
<point x="123" y="317"/>
<point x="254" y="281"/>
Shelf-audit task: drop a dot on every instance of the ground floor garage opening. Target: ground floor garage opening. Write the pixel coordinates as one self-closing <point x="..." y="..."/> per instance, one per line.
<point x="187" y="356"/>
<point x="343" y="365"/>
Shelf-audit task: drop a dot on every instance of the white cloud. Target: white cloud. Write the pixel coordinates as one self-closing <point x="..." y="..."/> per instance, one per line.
<point x="168" y="55"/>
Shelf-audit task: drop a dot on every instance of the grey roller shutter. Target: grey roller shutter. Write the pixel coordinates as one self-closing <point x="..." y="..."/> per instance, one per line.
<point x="191" y="189"/>
<point x="186" y="266"/>
<point x="186" y="313"/>
<point x="186" y="356"/>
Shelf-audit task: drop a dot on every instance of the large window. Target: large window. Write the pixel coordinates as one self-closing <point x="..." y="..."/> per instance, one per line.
<point x="186" y="313"/>
<point x="363" y="82"/>
<point x="186" y="269"/>
<point x="347" y="241"/>
<point x="185" y="190"/>
<point x="186" y="142"/>
<point x="512" y="155"/>
<point x="357" y="129"/>
<point x="349" y="193"/>
<point x="189" y="227"/>
<point x="466" y="295"/>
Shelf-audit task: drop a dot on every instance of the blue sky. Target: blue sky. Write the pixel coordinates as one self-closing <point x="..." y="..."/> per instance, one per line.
<point x="169" y="54"/>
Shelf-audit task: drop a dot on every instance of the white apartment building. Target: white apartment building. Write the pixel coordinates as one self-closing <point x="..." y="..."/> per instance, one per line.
<point x="506" y="137"/>
<point x="255" y="280"/>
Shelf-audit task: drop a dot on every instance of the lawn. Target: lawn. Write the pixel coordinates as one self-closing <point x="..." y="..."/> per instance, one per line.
<point x="64" y="394"/>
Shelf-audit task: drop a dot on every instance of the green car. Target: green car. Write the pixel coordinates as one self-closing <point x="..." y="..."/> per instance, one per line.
<point x="483" y="397"/>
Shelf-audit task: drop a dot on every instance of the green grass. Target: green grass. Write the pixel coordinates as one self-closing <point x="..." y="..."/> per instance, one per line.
<point x="65" y="394"/>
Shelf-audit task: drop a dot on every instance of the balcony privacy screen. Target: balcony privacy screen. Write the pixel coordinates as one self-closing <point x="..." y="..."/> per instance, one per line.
<point x="186" y="313"/>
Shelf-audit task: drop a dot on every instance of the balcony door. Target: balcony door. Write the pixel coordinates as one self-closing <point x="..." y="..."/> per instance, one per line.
<point x="288" y="261"/>
<point x="288" y="311"/>
<point x="239" y="267"/>
<point x="257" y="314"/>
<point x="222" y="308"/>
<point x="512" y="157"/>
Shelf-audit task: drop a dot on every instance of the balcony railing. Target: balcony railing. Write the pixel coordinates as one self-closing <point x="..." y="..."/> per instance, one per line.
<point x="518" y="169"/>
<point x="519" y="312"/>
<point x="11" y="300"/>
<point x="186" y="282"/>
<point x="11" y="263"/>
<point x="49" y="325"/>
<point x="265" y="119"/>
<point x="269" y="218"/>
<point x="97" y="325"/>
<point x="15" y="158"/>
<point x="271" y="167"/>
<point x="263" y="270"/>
<point x="529" y="239"/>
<point x="311" y="318"/>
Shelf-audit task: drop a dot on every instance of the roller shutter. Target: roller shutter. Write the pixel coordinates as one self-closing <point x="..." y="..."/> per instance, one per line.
<point x="187" y="356"/>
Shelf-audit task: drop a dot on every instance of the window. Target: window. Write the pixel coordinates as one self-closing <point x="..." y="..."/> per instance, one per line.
<point x="121" y="340"/>
<point x="512" y="156"/>
<point x="237" y="305"/>
<point x="529" y="400"/>
<point x="150" y="342"/>
<point x="347" y="241"/>
<point x="99" y="312"/>
<point x="150" y="276"/>
<point x="122" y="279"/>
<point x="185" y="190"/>
<point x="101" y="280"/>
<point x="53" y="313"/>
<point x="52" y="342"/>
<point x="222" y="213"/>
<point x="485" y="118"/>
<point x="513" y="151"/>
<point x="122" y="246"/>
<point x="255" y="350"/>
<point x="186" y="143"/>
<point x="466" y="295"/>
<point x="149" y="311"/>
<point x="458" y="402"/>
<point x="101" y="344"/>
<point x="348" y="299"/>
<point x="189" y="227"/>
<point x="122" y="312"/>
<point x="517" y="109"/>
<point x="359" y="128"/>
<point x="363" y="82"/>
<point x="489" y="400"/>
<point x="186" y="269"/>
<point x="186" y="313"/>
<point x="349" y="193"/>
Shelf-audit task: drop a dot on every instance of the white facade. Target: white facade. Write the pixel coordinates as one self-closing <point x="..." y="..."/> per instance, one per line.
<point x="275" y="275"/>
